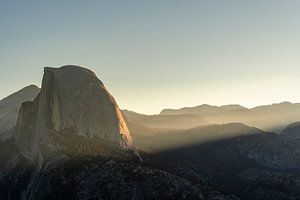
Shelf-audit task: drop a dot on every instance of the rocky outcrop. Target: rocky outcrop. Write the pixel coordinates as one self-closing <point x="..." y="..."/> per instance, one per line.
<point x="74" y="113"/>
<point x="9" y="109"/>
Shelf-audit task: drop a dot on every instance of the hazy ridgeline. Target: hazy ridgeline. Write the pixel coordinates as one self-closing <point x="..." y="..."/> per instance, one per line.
<point x="232" y="147"/>
<point x="204" y="123"/>
<point x="271" y="118"/>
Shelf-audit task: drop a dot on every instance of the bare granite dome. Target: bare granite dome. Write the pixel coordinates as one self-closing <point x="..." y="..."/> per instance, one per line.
<point x="73" y="103"/>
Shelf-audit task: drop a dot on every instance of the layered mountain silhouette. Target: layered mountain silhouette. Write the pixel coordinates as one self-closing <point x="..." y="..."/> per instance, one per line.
<point x="69" y="140"/>
<point x="204" y="109"/>
<point x="255" y="166"/>
<point x="272" y="118"/>
<point x="170" y="139"/>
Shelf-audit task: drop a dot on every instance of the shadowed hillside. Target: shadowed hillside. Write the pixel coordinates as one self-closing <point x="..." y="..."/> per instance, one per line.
<point x="255" y="166"/>
<point x="291" y="134"/>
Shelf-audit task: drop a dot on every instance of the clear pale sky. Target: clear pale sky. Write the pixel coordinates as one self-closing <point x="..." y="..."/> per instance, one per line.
<point x="159" y="54"/>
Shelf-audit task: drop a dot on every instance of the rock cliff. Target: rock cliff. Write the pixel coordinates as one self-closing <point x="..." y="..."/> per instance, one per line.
<point x="9" y="109"/>
<point x="74" y="113"/>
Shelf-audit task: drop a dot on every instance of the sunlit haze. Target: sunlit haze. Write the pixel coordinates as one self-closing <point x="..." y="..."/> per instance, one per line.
<point x="159" y="54"/>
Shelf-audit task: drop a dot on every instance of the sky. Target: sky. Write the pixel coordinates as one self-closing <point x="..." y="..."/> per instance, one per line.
<point x="158" y="54"/>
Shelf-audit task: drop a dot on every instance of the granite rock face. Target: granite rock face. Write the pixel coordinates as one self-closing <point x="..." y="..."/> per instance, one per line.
<point x="9" y="109"/>
<point x="73" y="107"/>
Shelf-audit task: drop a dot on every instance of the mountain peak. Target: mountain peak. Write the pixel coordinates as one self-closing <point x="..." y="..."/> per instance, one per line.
<point x="73" y="103"/>
<point x="9" y="109"/>
<point x="70" y="68"/>
<point x="31" y="87"/>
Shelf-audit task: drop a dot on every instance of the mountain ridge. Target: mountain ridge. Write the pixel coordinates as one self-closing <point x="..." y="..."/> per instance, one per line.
<point x="188" y="110"/>
<point x="9" y="109"/>
<point x="270" y="118"/>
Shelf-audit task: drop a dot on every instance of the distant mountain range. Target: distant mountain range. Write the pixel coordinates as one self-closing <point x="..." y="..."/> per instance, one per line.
<point x="272" y="118"/>
<point x="230" y="146"/>
<point x="204" y="109"/>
